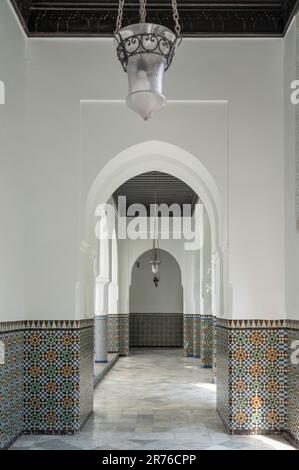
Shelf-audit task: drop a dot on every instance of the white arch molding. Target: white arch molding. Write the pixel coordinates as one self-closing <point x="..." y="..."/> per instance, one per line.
<point x="167" y="158"/>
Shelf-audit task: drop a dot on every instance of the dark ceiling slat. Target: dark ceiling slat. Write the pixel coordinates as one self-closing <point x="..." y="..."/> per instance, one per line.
<point x="169" y="189"/>
<point x="199" y="18"/>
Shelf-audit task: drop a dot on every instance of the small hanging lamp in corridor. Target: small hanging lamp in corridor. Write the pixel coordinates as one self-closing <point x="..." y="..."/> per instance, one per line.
<point x="145" y="51"/>
<point x="155" y="257"/>
<point x="155" y="262"/>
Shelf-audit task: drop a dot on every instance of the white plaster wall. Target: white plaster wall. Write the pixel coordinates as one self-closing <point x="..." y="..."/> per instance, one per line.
<point x="12" y="166"/>
<point x="241" y="143"/>
<point x="167" y="297"/>
<point x="206" y="275"/>
<point x="291" y="236"/>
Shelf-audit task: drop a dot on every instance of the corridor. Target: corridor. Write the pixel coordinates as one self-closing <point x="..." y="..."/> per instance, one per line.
<point x="172" y="408"/>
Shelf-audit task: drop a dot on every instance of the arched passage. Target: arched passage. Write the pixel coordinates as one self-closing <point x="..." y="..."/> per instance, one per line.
<point x="168" y="158"/>
<point x="156" y="313"/>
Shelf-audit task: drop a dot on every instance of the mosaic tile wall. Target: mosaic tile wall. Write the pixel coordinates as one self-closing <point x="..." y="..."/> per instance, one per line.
<point x="207" y="340"/>
<point x="293" y="384"/>
<point x="214" y="355"/>
<point x="51" y="381"/>
<point x="188" y="335"/>
<point x="200" y="339"/>
<point x="223" y="385"/>
<point x="11" y="388"/>
<point x="46" y="383"/>
<point x="196" y="336"/>
<point x="58" y="379"/>
<point x="156" y="330"/>
<point x="113" y="333"/>
<point x="118" y="333"/>
<point x="252" y="376"/>
<point x="86" y="372"/>
<point x="124" y="334"/>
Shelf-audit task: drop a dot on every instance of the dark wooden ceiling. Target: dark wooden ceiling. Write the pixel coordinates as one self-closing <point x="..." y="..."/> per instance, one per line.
<point x="85" y="18"/>
<point x="143" y="189"/>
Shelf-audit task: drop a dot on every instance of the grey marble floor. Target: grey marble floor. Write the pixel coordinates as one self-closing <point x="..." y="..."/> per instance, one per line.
<point x="100" y="370"/>
<point x="154" y="399"/>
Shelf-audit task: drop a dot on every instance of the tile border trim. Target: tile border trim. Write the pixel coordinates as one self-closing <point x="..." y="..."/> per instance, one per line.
<point x="7" y="327"/>
<point x="260" y="323"/>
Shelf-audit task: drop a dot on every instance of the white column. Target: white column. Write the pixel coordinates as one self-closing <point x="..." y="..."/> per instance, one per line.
<point x="100" y="338"/>
<point x="113" y="297"/>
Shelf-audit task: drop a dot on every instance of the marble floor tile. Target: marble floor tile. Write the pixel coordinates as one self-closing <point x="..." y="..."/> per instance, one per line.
<point x="154" y="399"/>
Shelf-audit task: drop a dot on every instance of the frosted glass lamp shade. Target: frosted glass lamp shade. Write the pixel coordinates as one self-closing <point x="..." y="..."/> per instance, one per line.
<point x="145" y="51"/>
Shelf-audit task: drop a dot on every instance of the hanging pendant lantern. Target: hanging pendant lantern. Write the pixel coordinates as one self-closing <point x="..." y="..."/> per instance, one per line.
<point x="155" y="262"/>
<point x="155" y="258"/>
<point x="145" y="51"/>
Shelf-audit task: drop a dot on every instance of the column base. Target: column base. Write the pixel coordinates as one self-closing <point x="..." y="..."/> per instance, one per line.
<point x="100" y="335"/>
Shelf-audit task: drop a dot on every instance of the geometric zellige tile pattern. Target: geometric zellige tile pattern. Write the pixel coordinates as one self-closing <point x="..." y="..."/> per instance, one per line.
<point x="223" y="372"/>
<point x="293" y="389"/>
<point x="252" y="379"/>
<point x="46" y="383"/>
<point x="197" y="325"/>
<point x="156" y="330"/>
<point x="207" y="327"/>
<point x="123" y="334"/>
<point x="200" y="340"/>
<point x="86" y="372"/>
<point x="113" y="333"/>
<point x="51" y="381"/>
<point x="11" y="388"/>
<point x="118" y="333"/>
<point x="258" y="392"/>
<point x="188" y="335"/>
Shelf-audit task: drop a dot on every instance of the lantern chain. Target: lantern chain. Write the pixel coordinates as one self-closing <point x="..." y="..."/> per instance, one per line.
<point x="142" y="11"/>
<point x="119" y="15"/>
<point x="176" y="18"/>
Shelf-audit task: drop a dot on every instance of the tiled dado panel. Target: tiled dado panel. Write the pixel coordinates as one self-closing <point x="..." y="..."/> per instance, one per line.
<point x="124" y="334"/>
<point x="113" y="333"/>
<point x="47" y="380"/>
<point x="207" y="333"/>
<point x="188" y="335"/>
<point x="52" y="381"/>
<point x="214" y="355"/>
<point x="156" y="329"/>
<point x="58" y="377"/>
<point x="223" y="388"/>
<point x="292" y="425"/>
<point x="197" y="336"/>
<point x="11" y="388"/>
<point x="199" y="339"/>
<point x="86" y="372"/>
<point x="252" y="375"/>
<point x="118" y="333"/>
